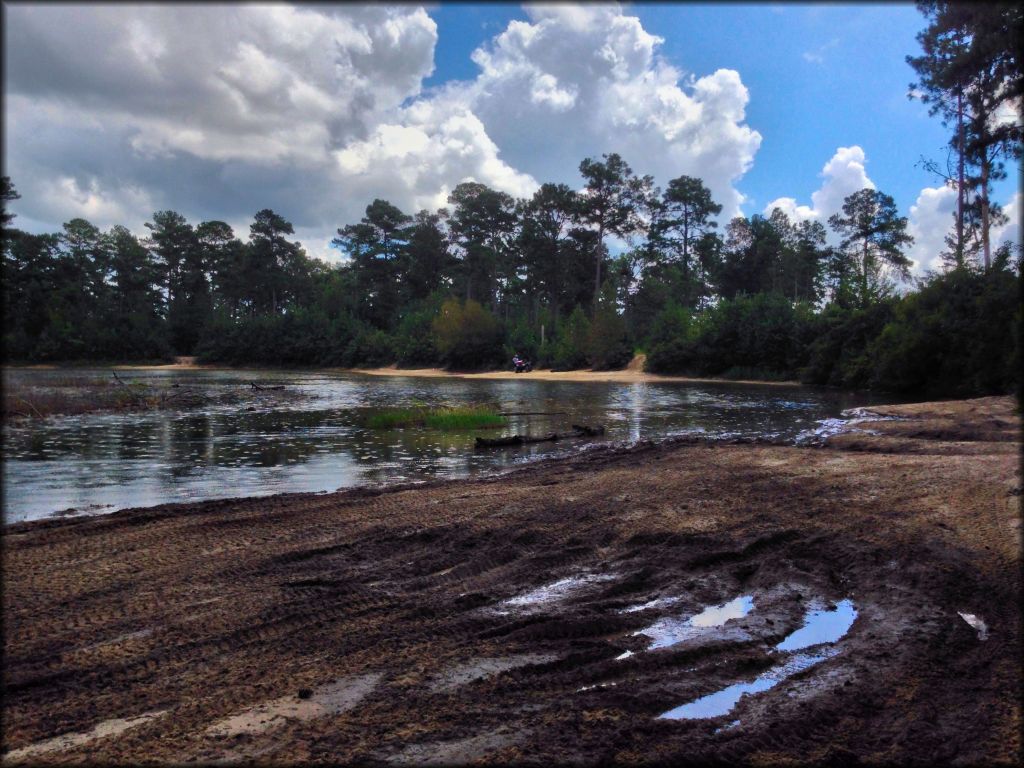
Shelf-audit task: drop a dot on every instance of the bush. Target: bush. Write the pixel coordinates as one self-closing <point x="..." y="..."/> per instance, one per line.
<point x="956" y="337"/>
<point x="523" y="339"/>
<point x="467" y="336"/>
<point x="414" y="338"/>
<point x="839" y="355"/>
<point x="570" y="347"/>
<point x="671" y="342"/>
<point x="608" y="344"/>
<point x="764" y="333"/>
<point x="371" y="347"/>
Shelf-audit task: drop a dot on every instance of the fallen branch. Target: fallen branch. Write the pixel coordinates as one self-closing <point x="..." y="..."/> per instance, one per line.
<point x="578" y="431"/>
<point x="534" y="413"/>
<point x="26" y="402"/>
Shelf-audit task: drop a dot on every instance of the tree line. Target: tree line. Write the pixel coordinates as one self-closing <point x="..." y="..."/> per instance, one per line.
<point x="568" y="278"/>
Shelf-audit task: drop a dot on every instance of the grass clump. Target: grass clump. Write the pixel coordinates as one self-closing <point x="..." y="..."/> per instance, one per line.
<point x="444" y="418"/>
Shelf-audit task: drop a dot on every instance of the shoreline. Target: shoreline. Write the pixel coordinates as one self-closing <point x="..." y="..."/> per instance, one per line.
<point x="622" y="376"/>
<point x="488" y="618"/>
<point x="631" y="374"/>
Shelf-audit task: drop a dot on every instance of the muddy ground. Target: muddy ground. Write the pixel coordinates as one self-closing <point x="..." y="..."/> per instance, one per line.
<point x="481" y="620"/>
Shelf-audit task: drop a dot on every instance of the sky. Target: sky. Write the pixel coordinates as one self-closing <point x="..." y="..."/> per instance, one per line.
<point x="114" y="111"/>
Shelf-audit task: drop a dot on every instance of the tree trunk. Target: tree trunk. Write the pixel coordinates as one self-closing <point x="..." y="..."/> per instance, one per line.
<point x="960" y="179"/>
<point x="985" y="224"/>
<point x="597" y="270"/>
<point x="864" y="276"/>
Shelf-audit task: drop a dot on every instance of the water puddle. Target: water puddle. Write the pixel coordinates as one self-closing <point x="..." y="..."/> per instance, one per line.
<point x="977" y="623"/>
<point x="480" y="668"/>
<point x="669" y="631"/>
<point x="71" y="740"/>
<point x="555" y="591"/>
<point x="330" y="699"/>
<point x="722" y="702"/>
<point x="596" y="685"/>
<point x="661" y="602"/>
<point x="821" y="627"/>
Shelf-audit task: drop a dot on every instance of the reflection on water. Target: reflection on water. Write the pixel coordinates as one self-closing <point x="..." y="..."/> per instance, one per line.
<point x="317" y="443"/>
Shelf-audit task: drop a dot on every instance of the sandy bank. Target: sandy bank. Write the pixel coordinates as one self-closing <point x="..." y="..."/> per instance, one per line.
<point x="486" y="619"/>
<point x="634" y="374"/>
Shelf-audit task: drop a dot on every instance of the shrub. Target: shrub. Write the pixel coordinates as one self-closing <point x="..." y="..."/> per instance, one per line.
<point x="671" y="341"/>
<point x="570" y="347"/>
<point x="467" y="336"/>
<point x="608" y="344"/>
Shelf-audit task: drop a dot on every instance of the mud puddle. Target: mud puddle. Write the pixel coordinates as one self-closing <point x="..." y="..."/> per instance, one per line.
<point x="667" y="632"/>
<point x="821" y="627"/>
<point x="540" y="597"/>
<point x="331" y="699"/>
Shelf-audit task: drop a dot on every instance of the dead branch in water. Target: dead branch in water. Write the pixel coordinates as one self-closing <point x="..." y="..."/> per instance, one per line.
<point x="578" y="431"/>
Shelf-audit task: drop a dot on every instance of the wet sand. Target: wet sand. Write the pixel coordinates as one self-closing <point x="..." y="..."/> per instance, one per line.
<point x="489" y="619"/>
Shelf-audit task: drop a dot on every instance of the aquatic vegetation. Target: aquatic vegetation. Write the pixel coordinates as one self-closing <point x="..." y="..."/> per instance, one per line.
<point x="444" y="418"/>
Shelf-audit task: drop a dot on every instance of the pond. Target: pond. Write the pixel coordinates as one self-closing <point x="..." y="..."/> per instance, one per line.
<point x="315" y="439"/>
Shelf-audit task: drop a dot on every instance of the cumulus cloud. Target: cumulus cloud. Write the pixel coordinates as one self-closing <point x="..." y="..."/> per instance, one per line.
<point x="842" y="175"/>
<point x="932" y="219"/>
<point x="220" y="110"/>
<point x="578" y="81"/>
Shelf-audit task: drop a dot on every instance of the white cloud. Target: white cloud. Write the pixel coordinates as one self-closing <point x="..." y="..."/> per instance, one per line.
<point x="843" y="175"/>
<point x="218" y="111"/>
<point x="931" y="220"/>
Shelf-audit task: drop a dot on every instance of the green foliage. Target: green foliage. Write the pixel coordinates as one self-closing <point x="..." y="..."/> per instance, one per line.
<point x="761" y="336"/>
<point x="954" y="338"/>
<point x="446" y="419"/>
<point x="570" y="347"/>
<point x="414" y="336"/>
<point x="839" y="355"/>
<point x="608" y="343"/>
<point x="523" y="339"/>
<point x="467" y="335"/>
<point x="671" y="341"/>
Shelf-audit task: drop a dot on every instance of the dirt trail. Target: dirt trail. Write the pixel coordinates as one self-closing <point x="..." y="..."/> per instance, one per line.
<point x="502" y="619"/>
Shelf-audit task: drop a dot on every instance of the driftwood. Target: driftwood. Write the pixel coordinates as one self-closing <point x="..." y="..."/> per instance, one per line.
<point x="534" y="413"/>
<point x="578" y="431"/>
<point x="256" y="386"/>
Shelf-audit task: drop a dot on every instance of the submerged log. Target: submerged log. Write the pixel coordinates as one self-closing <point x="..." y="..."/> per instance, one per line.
<point x="502" y="442"/>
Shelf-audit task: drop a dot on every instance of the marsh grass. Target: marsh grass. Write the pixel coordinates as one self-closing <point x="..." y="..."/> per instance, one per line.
<point x="446" y="418"/>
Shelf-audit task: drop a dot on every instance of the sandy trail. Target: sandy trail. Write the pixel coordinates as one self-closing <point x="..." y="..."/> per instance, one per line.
<point x="489" y="619"/>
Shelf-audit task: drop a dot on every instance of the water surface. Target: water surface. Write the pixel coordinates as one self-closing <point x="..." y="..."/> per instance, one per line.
<point x="104" y="462"/>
